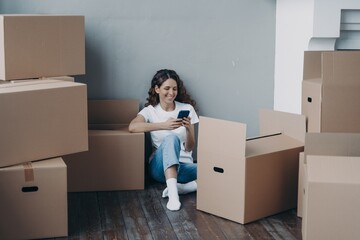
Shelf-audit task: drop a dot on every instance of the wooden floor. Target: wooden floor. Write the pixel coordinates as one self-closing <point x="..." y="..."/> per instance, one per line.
<point x="142" y="214"/>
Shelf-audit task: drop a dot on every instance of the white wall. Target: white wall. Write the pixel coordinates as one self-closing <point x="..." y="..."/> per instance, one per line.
<point x="303" y="25"/>
<point x="294" y="19"/>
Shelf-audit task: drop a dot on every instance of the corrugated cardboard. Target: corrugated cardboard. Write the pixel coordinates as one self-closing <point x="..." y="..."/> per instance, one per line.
<point x="42" y="119"/>
<point x="301" y="185"/>
<point x="245" y="180"/>
<point x="115" y="160"/>
<point x="33" y="201"/>
<point x="63" y="78"/>
<point x="41" y="45"/>
<point x="332" y="186"/>
<point x="330" y="91"/>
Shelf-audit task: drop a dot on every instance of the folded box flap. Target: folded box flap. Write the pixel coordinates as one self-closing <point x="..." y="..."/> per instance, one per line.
<point x="312" y="64"/>
<point x="270" y="144"/>
<point x="290" y="124"/>
<point x="112" y="111"/>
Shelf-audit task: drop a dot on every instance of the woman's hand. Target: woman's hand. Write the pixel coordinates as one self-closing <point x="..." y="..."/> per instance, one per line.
<point x="172" y="123"/>
<point x="186" y="122"/>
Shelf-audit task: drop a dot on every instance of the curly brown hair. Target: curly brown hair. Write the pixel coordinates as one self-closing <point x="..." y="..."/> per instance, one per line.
<point x="159" y="78"/>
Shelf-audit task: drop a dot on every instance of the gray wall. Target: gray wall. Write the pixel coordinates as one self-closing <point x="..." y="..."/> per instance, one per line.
<point x="223" y="50"/>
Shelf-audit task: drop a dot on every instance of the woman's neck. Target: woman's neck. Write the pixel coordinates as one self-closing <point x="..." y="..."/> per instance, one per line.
<point x="168" y="107"/>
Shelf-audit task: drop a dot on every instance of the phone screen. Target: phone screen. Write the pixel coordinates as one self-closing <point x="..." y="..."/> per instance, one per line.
<point x="183" y="113"/>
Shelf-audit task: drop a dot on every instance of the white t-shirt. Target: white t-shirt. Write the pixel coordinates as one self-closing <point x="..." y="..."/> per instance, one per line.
<point x="157" y="114"/>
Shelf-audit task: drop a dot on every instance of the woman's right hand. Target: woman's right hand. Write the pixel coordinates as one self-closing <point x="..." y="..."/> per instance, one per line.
<point x="172" y="123"/>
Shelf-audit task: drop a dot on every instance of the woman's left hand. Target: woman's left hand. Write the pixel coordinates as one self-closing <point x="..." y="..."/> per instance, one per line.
<point x="186" y="122"/>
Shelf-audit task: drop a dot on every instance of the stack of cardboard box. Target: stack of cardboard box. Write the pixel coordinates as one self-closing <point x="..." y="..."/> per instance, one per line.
<point x="246" y="179"/>
<point x="328" y="197"/>
<point x="115" y="160"/>
<point x="43" y="118"/>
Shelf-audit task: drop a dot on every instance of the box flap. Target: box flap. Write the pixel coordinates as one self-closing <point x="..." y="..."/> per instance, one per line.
<point x="290" y="124"/>
<point x="332" y="144"/>
<point x="223" y="136"/>
<point x="112" y="111"/>
<point x="271" y="144"/>
<point x="333" y="169"/>
<point x="312" y="64"/>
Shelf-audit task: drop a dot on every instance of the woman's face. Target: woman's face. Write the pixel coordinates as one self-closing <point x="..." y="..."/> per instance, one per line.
<point x="167" y="91"/>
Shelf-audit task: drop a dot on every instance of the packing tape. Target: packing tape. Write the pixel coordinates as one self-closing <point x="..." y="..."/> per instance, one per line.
<point x="28" y="172"/>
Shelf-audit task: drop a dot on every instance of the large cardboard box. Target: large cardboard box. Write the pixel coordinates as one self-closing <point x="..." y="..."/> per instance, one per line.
<point x="247" y="179"/>
<point x="332" y="186"/>
<point x="42" y="119"/>
<point x="330" y="91"/>
<point x="115" y="160"/>
<point x="41" y="45"/>
<point x="33" y="201"/>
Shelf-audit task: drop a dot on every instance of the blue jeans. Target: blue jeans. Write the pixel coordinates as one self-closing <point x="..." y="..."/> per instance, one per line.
<point x="167" y="155"/>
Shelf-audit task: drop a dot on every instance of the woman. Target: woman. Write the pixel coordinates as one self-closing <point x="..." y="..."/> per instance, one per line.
<point x="173" y="139"/>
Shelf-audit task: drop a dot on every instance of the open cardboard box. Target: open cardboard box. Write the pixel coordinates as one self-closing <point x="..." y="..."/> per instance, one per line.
<point x="247" y="179"/>
<point x="330" y="91"/>
<point x="332" y="186"/>
<point x="41" y="45"/>
<point x="33" y="201"/>
<point x="115" y="160"/>
<point x="42" y="119"/>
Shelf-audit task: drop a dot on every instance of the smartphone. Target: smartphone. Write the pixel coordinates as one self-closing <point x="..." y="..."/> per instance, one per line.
<point x="183" y="113"/>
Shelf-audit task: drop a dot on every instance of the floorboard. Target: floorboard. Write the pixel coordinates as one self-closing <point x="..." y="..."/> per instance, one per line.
<point x="142" y="214"/>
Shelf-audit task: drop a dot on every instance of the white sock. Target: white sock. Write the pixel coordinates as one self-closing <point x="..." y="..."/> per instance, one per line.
<point x="183" y="188"/>
<point x="173" y="203"/>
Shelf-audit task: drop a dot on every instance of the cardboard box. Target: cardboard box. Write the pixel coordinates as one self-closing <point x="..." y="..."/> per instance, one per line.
<point x="115" y="160"/>
<point x="247" y="179"/>
<point x="332" y="186"/>
<point x="301" y="184"/>
<point x="42" y="119"/>
<point x="41" y="45"/>
<point x="330" y="91"/>
<point x="62" y="78"/>
<point x="33" y="201"/>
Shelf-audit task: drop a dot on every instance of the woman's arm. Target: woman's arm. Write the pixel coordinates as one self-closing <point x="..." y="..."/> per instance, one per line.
<point x="190" y="136"/>
<point x="138" y="124"/>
